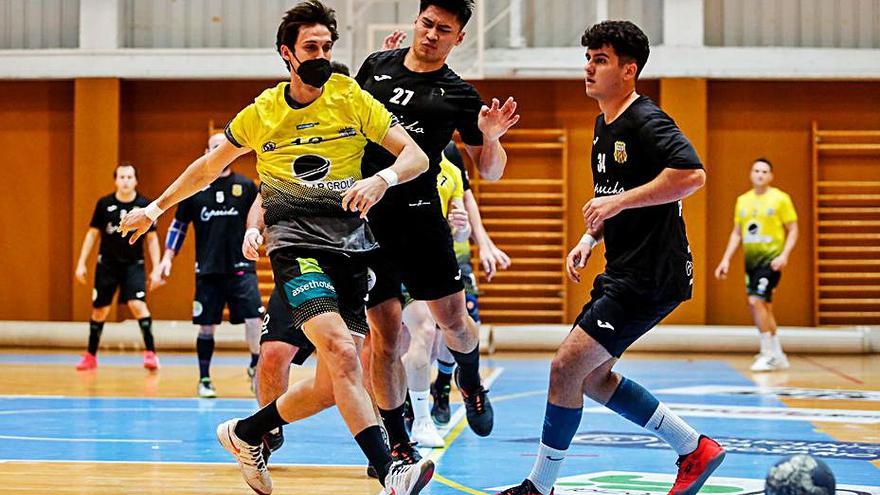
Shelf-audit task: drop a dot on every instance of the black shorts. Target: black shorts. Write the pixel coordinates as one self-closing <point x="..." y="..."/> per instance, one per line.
<point x="761" y="280"/>
<point x="309" y="283"/>
<point x="129" y="278"/>
<point x="616" y="317"/>
<point x="415" y="249"/>
<point x="240" y="291"/>
<point x="278" y="326"/>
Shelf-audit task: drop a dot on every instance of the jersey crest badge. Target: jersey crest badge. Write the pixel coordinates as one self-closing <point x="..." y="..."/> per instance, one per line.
<point x="219" y="196"/>
<point x="237" y="190"/>
<point x="620" y="152"/>
<point x="268" y="146"/>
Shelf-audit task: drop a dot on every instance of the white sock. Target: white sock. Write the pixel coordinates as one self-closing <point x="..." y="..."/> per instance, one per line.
<point x="420" y="405"/>
<point x="546" y="468"/>
<point x="766" y="345"/>
<point x="673" y="430"/>
<point x="776" y="346"/>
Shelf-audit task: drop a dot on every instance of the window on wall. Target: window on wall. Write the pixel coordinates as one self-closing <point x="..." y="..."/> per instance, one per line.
<point x="28" y="24"/>
<point x="797" y="23"/>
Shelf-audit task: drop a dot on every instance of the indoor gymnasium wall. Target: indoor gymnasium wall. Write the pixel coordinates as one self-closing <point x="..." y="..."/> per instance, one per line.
<point x="36" y="145"/>
<point x="748" y="119"/>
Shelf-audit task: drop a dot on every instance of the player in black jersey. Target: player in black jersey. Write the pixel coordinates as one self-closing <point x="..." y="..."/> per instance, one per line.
<point x="223" y="275"/>
<point x="643" y="166"/>
<point x="432" y="102"/>
<point x="120" y="266"/>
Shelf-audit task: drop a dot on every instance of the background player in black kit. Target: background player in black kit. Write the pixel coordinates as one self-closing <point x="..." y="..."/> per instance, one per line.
<point x="431" y="101"/>
<point x="120" y="266"/>
<point x="223" y="275"/>
<point x="643" y="166"/>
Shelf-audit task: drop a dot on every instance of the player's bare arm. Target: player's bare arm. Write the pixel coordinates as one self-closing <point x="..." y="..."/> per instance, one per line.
<point x="580" y="253"/>
<point x="494" y="121"/>
<point x="253" y="236"/>
<point x="671" y="185"/>
<point x="197" y="176"/>
<point x="732" y="243"/>
<point x="89" y="242"/>
<point x="791" y="235"/>
<point x="411" y="162"/>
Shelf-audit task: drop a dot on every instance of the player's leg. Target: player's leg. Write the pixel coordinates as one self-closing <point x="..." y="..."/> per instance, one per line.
<point x="771" y="357"/>
<point x="107" y="280"/>
<point x="245" y="305"/>
<point x="207" y="314"/>
<point x="205" y="352"/>
<point x="440" y="411"/>
<point x="133" y="292"/>
<point x="417" y="362"/>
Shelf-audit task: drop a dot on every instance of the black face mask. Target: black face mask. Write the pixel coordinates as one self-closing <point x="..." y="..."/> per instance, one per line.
<point x="315" y="72"/>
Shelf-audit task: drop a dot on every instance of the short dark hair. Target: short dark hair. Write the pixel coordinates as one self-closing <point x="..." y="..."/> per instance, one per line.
<point x="307" y="13"/>
<point x="340" y="68"/>
<point x="463" y="9"/>
<point x="629" y="42"/>
<point x="125" y="164"/>
<point x="763" y="160"/>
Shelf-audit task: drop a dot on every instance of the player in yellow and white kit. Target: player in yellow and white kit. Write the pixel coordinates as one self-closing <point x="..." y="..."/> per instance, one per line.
<point x="309" y="136"/>
<point x="766" y="223"/>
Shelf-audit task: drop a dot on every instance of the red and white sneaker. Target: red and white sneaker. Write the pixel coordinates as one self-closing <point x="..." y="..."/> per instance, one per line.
<point x="151" y="360"/>
<point x="694" y="469"/>
<point x="88" y="362"/>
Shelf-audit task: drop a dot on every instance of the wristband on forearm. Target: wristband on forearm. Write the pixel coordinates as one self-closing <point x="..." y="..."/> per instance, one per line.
<point x="389" y="176"/>
<point x="589" y="240"/>
<point x="153" y="211"/>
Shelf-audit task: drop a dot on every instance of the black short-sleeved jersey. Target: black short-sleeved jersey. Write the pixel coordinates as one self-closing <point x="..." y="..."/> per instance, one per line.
<point x="219" y="215"/>
<point x="430" y="106"/>
<point x="114" y="247"/>
<point x="646" y="249"/>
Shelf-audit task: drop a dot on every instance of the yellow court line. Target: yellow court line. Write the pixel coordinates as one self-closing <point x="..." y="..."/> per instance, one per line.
<point x="458" y="486"/>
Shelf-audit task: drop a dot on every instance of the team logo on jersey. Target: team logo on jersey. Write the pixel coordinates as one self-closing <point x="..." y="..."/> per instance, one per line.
<point x="219" y="196"/>
<point x="770" y="212"/>
<point x="237" y="190"/>
<point x="689" y="268"/>
<point x="310" y="168"/>
<point x="382" y="77"/>
<point x="620" y="152"/>
<point x="307" y="125"/>
<point x="268" y="146"/>
<point x="111" y="208"/>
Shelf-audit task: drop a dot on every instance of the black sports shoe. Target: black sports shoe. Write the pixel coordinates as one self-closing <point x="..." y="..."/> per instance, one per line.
<point x="526" y="488"/>
<point x="406" y="452"/>
<point x="480" y="416"/>
<point x="372" y="473"/>
<point x="440" y="408"/>
<point x="272" y="442"/>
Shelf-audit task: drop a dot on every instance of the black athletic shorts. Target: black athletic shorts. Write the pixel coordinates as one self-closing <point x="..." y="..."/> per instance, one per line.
<point x="278" y="327"/>
<point x="616" y="317"/>
<point x="309" y="283"/>
<point x="415" y="249"/>
<point x="129" y="278"/>
<point x="238" y="290"/>
<point x="760" y="282"/>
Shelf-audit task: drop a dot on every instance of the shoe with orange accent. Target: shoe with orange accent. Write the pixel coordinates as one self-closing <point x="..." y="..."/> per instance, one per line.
<point x="250" y="458"/>
<point x="88" y="362"/>
<point x="694" y="469"/>
<point x="151" y="360"/>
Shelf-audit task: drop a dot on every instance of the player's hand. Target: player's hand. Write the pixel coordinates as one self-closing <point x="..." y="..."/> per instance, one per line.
<point x="495" y="120"/>
<point x="393" y="40"/>
<point x="137" y="222"/>
<point x="164" y="267"/>
<point x="577" y="260"/>
<point x="80" y="274"/>
<point x="491" y="259"/>
<point x="721" y="270"/>
<point x="779" y="263"/>
<point x="364" y="194"/>
<point x="458" y="218"/>
<point x="250" y="247"/>
<point x="599" y="209"/>
<point x="156" y="279"/>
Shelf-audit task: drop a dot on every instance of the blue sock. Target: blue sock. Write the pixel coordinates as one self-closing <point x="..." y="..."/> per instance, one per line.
<point x="560" y="426"/>
<point x="633" y="402"/>
<point x="444" y="367"/>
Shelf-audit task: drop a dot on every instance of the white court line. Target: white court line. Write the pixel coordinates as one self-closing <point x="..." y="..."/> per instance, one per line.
<point x="770" y="413"/>
<point x="122" y="409"/>
<point x="90" y="440"/>
<point x="174" y="463"/>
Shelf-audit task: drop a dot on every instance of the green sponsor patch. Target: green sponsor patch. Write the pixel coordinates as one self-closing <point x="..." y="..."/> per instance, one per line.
<point x="309" y="265"/>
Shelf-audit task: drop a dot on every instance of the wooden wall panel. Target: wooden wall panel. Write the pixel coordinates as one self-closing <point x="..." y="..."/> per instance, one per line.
<point x="36" y="121"/>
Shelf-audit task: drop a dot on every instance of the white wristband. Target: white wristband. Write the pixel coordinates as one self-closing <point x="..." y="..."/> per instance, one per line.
<point x="252" y="230"/>
<point x="153" y="211"/>
<point x="589" y="240"/>
<point x="389" y="176"/>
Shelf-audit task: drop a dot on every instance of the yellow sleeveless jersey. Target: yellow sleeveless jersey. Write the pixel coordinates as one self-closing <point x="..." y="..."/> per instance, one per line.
<point x="450" y="185"/>
<point x="308" y="157"/>
<point x="761" y="220"/>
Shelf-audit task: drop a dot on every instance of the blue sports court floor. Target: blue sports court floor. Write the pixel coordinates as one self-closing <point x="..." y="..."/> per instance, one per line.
<point x="758" y="425"/>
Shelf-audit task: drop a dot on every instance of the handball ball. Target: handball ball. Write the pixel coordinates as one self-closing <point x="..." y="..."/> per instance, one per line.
<point x="800" y="475"/>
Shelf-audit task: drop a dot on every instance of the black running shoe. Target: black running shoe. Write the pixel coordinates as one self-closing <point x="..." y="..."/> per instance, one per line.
<point x="272" y="442"/>
<point x="440" y="409"/>
<point x="480" y="416"/>
<point x="406" y="452"/>
<point x="372" y="473"/>
<point x="526" y="488"/>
